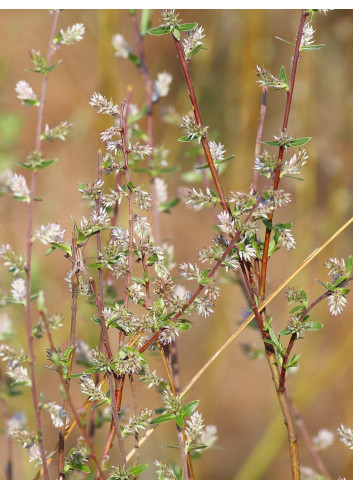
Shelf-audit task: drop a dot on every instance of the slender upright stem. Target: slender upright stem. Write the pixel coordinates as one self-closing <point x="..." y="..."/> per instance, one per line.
<point x="307" y="438"/>
<point x="111" y="378"/>
<point x="31" y="355"/>
<point x="296" y="57"/>
<point x="259" y="138"/>
<point x="198" y="119"/>
<point x="74" y="293"/>
<point x="148" y="89"/>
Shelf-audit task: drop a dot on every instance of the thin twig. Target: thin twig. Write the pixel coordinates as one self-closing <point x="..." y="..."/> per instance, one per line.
<point x="198" y="119"/>
<point x="149" y="103"/>
<point x="31" y="355"/>
<point x="293" y="337"/>
<point x="74" y="293"/>
<point x="259" y="138"/>
<point x="296" y="57"/>
<point x="111" y="377"/>
<point x="307" y="438"/>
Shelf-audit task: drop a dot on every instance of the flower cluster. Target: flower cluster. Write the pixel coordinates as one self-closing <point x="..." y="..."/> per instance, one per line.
<point x="163" y="471"/>
<point x="323" y="439"/>
<point x="103" y="105"/>
<point x="345" y="434"/>
<point x="18" y="289"/>
<point x="25" y="93"/>
<point x="137" y="423"/>
<point x="18" y="186"/>
<point x="121" y="47"/>
<point x="217" y="151"/>
<point x="50" y="233"/>
<point x="59" y="131"/>
<point x="161" y="86"/>
<point x="307" y="36"/>
<point x="28" y="441"/>
<point x="337" y="301"/>
<point x="192" y="129"/>
<point x="192" y="42"/>
<point x="170" y="19"/>
<point x="197" y="199"/>
<point x="71" y="35"/>
<point x="89" y="388"/>
<point x="11" y="259"/>
<point x="57" y="413"/>
<point x="128" y="361"/>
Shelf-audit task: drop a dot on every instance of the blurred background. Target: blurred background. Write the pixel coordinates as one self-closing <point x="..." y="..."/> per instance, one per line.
<point x="236" y="393"/>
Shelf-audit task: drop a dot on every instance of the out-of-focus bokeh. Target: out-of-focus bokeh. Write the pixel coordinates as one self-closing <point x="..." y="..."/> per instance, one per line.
<point x="236" y="393"/>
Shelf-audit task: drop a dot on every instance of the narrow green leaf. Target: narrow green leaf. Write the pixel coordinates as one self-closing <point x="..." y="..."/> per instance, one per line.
<point x="31" y="102"/>
<point x="82" y="467"/>
<point x="311" y="47"/>
<point x="63" y="247"/>
<point x="185" y="139"/>
<point x="166" y="206"/>
<point x="313" y="326"/>
<point x="187" y="27"/>
<point x="283" y="76"/>
<point x="287" y="42"/>
<point x="44" y="164"/>
<point x="68" y="352"/>
<point x="163" y="418"/>
<point x="183" y="326"/>
<point x="179" y="419"/>
<point x="145" y="22"/>
<point x="138" y="469"/>
<point x="339" y="280"/>
<point x="187" y="410"/>
<point x="102" y="403"/>
<point x="94" y="265"/>
<point x="284" y="332"/>
<point x="135" y="59"/>
<point x="299" y="142"/>
<point x="271" y="143"/>
<point x="176" y="33"/>
<point x="158" y="31"/>
<point x="295" y="309"/>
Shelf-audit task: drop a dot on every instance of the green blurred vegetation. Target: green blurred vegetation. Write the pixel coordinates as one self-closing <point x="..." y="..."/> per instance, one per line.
<point x="236" y="393"/>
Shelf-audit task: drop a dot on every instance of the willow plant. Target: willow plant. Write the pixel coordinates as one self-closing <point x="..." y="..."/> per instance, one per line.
<point x="131" y="283"/>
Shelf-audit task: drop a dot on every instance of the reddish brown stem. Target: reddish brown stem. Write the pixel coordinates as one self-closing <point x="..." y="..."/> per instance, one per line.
<point x="198" y="119"/>
<point x="296" y="57"/>
<point x="294" y="336"/>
